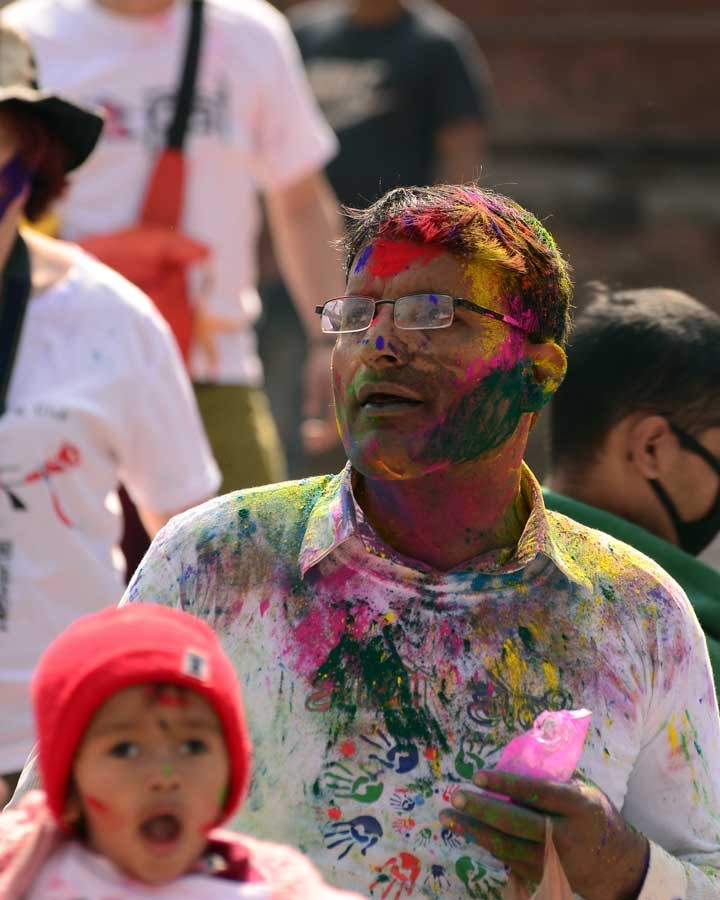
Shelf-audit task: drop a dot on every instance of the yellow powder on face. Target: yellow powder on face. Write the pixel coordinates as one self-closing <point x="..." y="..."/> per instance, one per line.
<point x="673" y="737"/>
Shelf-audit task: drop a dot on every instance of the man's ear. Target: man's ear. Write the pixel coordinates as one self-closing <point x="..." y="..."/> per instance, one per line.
<point x="651" y="445"/>
<point x="545" y="370"/>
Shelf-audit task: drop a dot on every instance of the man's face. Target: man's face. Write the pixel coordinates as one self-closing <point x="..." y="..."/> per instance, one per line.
<point x="412" y="402"/>
<point x="149" y="780"/>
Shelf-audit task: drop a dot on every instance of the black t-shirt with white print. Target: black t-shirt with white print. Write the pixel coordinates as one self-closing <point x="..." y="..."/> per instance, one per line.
<point x="387" y="90"/>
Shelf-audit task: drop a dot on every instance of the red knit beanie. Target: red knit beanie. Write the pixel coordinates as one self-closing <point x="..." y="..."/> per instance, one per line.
<point x="102" y="653"/>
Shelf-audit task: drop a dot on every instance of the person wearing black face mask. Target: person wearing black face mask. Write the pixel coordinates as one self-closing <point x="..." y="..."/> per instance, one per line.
<point x="693" y="536"/>
<point x="635" y="435"/>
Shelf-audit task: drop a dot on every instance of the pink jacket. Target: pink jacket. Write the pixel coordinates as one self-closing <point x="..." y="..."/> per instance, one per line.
<point x="29" y="835"/>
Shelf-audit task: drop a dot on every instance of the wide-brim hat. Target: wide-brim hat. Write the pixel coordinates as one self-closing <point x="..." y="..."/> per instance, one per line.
<point x="78" y="126"/>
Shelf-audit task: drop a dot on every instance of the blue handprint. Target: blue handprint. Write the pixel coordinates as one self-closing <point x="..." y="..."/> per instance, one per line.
<point x="363" y="831"/>
<point x="398" y="757"/>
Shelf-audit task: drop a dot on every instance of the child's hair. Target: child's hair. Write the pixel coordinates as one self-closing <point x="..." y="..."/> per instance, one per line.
<point x="117" y="648"/>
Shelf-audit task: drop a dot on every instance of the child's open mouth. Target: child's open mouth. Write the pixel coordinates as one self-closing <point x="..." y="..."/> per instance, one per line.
<point x="162" y="831"/>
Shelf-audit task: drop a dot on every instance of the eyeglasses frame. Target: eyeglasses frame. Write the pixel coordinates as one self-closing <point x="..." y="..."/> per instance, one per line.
<point x="457" y="301"/>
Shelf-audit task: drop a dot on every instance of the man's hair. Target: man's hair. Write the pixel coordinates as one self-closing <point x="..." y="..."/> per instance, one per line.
<point x="653" y="350"/>
<point x="482" y="227"/>
<point x="41" y="149"/>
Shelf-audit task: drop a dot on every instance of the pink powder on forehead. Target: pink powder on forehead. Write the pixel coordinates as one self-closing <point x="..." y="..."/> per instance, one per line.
<point x="390" y="257"/>
<point x="166" y="695"/>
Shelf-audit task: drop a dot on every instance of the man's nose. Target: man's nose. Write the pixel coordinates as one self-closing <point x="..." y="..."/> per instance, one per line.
<point x="383" y="335"/>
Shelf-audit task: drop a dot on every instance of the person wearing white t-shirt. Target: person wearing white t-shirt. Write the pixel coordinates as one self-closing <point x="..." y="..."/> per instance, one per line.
<point x="95" y="393"/>
<point x="255" y="129"/>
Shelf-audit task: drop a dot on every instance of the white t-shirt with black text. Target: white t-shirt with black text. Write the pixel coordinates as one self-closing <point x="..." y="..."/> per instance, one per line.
<point x="255" y="127"/>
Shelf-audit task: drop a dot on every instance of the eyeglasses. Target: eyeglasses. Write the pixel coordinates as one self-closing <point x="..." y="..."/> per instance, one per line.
<point x="343" y="315"/>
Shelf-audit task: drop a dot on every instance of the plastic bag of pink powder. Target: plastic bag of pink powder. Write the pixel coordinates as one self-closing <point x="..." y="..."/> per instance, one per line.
<point x="551" y="748"/>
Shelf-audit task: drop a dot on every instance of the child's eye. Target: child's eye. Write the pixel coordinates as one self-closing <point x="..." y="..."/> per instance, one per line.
<point x="193" y="747"/>
<point x="125" y="750"/>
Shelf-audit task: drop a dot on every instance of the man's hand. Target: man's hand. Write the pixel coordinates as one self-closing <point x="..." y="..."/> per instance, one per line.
<point x="603" y="857"/>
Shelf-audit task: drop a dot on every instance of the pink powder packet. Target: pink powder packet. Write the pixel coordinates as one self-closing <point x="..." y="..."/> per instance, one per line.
<point x="551" y="748"/>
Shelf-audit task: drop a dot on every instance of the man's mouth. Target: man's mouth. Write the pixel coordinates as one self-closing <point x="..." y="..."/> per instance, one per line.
<point x="387" y="396"/>
<point x="383" y="400"/>
<point x="162" y="830"/>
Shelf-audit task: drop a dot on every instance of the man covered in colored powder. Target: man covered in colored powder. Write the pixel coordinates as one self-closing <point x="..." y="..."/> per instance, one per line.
<point x="395" y="625"/>
<point x="642" y="461"/>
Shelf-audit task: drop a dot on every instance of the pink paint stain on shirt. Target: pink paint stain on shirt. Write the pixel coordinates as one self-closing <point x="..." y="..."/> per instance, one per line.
<point x="388" y="258"/>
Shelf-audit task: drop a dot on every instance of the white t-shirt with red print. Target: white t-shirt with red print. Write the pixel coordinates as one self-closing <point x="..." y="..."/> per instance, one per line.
<point x="255" y="127"/>
<point x="98" y="395"/>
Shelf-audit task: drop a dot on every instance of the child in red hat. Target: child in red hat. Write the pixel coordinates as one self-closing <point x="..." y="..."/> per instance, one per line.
<point x="143" y="752"/>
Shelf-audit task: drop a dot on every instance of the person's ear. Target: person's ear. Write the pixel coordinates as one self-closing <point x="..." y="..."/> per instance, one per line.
<point x="545" y="370"/>
<point x="73" y="812"/>
<point x="651" y="446"/>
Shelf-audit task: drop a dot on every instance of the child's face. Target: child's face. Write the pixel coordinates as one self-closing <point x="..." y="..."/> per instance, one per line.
<point x="150" y="778"/>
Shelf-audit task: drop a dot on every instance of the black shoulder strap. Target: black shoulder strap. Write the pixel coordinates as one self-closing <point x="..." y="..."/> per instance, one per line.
<point x="14" y="296"/>
<point x="186" y="90"/>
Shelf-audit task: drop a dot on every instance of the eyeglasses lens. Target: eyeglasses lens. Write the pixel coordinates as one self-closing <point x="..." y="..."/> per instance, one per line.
<point x="424" y="311"/>
<point x="347" y="314"/>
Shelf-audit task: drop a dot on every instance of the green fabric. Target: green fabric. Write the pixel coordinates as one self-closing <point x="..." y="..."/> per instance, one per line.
<point x="699" y="581"/>
<point x="242" y="435"/>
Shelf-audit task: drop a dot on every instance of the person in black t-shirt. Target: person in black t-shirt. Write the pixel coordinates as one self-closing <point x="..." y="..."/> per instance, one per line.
<point x="405" y="88"/>
<point x="408" y="93"/>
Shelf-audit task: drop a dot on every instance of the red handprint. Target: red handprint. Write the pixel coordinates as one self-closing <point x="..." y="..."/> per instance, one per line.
<point x="404" y="871"/>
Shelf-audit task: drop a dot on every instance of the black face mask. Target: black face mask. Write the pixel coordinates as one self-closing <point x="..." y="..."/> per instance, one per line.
<point x="693" y="536"/>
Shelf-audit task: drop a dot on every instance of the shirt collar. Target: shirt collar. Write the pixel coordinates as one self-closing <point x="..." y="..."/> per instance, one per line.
<point x="333" y="520"/>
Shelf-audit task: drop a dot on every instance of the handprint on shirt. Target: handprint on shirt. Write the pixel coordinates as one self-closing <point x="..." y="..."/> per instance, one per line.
<point x="424" y="837"/>
<point x="479" y="881"/>
<point x="348" y="785"/>
<point x="436" y="880"/>
<point x="450" y="839"/>
<point x="362" y="831"/>
<point x="403" y="801"/>
<point x="397" y="757"/>
<point x="404" y="870"/>
<point x="473" y="754"/>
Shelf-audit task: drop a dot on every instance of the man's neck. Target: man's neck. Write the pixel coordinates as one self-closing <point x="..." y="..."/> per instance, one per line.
<point x="446" y="518"/>
<point x="593" y="489"/>
<point x="136" y="7"/>
<point x="376" y="12"/>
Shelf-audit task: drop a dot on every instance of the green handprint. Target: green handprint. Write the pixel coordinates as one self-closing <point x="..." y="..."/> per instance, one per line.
<point x="346" y="785"/>
<point x="471" y="756"/>
<point x="473" y="875"/>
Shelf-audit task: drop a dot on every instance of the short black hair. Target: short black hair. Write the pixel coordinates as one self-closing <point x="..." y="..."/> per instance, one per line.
<point x="481" y="226"/>
<point x="651" y="349"/>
